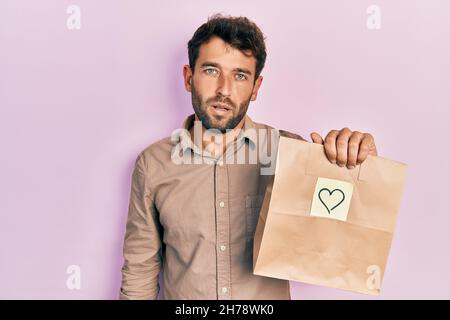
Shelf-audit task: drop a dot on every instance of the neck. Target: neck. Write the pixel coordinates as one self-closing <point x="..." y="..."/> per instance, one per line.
<point x="218" y="144"/>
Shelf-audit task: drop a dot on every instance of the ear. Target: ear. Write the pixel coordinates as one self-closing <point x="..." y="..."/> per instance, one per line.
<point x="256" y="88"/>
<point x="188" y="78"/>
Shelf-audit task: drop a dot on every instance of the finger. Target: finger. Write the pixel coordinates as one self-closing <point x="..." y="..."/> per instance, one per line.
<point x="342" y="146"/>
<point x="353" y="148"/>
<point x="365" y="147"/>
<point x="330" y="145"/>
<point x="316" y="138"/>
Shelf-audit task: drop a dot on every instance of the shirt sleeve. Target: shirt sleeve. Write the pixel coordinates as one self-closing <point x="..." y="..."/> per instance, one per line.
<point x="142" y="243"/>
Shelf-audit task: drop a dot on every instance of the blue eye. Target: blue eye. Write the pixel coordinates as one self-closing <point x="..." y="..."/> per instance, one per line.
<point x="208" y="71"/>
<point x="241" y="76"/>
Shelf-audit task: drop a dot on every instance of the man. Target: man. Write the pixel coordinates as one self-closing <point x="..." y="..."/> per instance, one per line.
<point x="195" y="221"/>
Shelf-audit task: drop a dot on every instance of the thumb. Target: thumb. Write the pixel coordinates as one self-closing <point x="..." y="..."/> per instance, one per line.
<point x="316" y="138"/>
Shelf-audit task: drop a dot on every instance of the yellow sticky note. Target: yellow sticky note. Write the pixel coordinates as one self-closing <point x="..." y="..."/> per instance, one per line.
<point x="331" y="199"/>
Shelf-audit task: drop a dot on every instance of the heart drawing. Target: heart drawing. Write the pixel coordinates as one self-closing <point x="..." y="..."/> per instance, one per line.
<point x="330" y="199"/>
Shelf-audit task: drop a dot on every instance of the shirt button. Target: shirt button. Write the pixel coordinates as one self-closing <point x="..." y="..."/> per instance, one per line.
<point x="224" y="289"/>
<point x="223" y="248"/>
<point x="222" y="204"/>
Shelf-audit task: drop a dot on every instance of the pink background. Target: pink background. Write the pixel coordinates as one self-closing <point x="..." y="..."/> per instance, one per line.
<point x="77" y="106"/>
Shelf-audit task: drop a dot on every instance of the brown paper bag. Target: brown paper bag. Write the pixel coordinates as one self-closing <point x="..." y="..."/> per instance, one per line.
<point x="324" y="224"/>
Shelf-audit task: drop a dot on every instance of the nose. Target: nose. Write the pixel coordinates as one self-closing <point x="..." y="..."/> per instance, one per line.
<point x="224" y="86"/>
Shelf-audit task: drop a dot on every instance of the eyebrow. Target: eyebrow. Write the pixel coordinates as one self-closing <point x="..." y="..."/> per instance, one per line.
<point x="216" y="65"/>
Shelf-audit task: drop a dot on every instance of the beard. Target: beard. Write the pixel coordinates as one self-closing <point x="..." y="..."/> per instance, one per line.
<point x="219" y="122"/>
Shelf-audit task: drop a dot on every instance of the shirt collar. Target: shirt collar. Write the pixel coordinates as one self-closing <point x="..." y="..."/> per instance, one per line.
<point x="186" y="142"/>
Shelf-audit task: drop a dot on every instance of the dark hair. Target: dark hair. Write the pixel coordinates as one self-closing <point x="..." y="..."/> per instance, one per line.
<point x="239" y="32"/>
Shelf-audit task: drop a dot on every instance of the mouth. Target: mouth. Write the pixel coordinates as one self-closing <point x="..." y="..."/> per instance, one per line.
<point x="220" y="108"/>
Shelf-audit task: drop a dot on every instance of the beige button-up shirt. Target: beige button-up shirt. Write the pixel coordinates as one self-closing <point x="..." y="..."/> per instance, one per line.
<point x="195" y="221"/>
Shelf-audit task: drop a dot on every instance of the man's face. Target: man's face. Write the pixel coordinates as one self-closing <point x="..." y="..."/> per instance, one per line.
<point x="222" y="84"/>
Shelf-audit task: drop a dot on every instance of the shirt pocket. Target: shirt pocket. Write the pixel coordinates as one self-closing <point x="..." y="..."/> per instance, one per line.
<point x="253" y="205"/>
